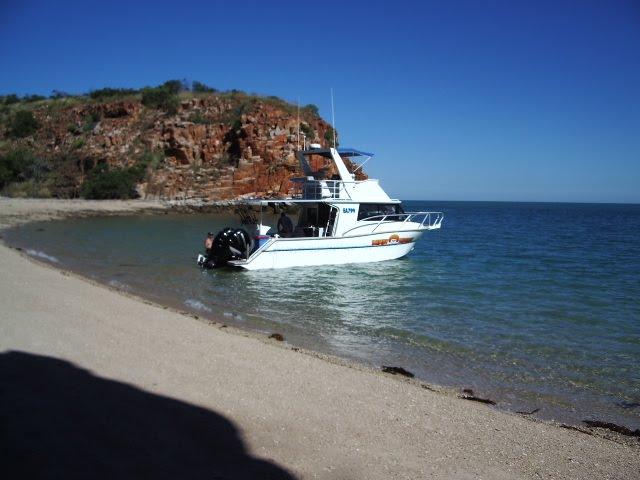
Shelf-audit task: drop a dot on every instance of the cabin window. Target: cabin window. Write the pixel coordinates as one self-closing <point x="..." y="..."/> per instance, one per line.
<point x="378" y="210"/>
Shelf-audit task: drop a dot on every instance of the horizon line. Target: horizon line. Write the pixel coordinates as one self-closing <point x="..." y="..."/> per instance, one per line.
<point x="525" y="201"/>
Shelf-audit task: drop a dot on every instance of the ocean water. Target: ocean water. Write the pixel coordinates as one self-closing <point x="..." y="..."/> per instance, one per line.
<point x="531" y="305"/>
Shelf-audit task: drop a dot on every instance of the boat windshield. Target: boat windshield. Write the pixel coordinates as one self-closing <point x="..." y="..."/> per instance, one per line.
<point x="378" y="210"/>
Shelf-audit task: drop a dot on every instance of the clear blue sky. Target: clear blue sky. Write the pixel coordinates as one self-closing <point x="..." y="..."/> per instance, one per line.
<point x="466" y="100"/>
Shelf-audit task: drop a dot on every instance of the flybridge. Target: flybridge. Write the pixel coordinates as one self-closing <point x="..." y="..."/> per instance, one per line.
<point x="335" y="154"/>
<point x="342" y="186"/>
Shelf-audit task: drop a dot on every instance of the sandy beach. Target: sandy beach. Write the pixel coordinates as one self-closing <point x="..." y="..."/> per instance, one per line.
<point x="97" y="382"/>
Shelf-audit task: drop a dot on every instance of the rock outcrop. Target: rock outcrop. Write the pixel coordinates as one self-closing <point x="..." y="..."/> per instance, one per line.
<point x="215" y="147"/>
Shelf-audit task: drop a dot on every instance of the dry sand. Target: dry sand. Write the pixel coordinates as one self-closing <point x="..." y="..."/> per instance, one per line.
<point x="97" y="383"/>
<point x="14" y="211"/>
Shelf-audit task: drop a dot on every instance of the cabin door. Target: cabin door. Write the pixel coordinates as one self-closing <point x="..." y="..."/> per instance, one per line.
<point x="331" y="221"/>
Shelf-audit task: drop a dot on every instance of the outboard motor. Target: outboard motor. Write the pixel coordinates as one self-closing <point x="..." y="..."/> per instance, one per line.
<point x="228" y="244"/>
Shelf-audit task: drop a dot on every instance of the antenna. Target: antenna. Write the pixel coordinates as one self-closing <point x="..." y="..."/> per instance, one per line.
<point x="333" y="120"/>
<point x="298" y="135"/>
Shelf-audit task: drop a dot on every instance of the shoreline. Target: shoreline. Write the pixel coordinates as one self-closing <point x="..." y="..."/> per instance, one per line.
<point x="407" y="396"/>
<point x="479" y="385"/>
<point x="217" y="320"/>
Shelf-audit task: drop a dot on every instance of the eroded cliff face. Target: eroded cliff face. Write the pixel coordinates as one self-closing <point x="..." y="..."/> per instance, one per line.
<point x="216" y="146"/>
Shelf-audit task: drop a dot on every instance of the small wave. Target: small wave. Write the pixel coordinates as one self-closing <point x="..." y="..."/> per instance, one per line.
<point x="39" y="254"/>
<point x="196" y="305"/>
<point x="235" y="316"/>
<point x="119" y="285"/>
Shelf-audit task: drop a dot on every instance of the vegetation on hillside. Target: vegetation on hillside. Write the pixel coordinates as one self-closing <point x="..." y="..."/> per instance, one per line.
<point x="329" y="137"/>
<point x="21" y="165"/>
<point x="112" y="183"/>
<point x="23" y="124"/>
<point x="109" y="93"/>
<point x="163" y="97"/>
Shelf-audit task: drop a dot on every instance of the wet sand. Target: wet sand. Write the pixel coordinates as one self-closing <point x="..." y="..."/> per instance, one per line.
<point x="67" y="344"/>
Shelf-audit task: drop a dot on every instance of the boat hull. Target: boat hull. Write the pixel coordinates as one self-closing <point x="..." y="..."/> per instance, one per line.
<point x="302" y="252"/>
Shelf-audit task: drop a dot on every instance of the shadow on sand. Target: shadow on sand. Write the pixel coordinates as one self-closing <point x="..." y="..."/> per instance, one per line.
<point x="57" y="420"/>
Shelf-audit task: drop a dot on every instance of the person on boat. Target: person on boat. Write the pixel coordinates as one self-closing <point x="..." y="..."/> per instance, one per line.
<point x="208" y="243"/>
<point x="285" y="225"/>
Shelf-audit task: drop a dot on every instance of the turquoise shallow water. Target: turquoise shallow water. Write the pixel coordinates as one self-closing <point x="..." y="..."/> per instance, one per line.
<point x="533" y="305"/>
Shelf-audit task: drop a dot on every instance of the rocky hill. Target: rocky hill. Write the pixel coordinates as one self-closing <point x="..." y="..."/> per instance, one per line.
<point x="160" y="142"/>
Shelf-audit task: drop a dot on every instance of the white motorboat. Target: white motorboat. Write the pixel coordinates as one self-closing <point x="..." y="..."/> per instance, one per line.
<point x="340" y="220"/>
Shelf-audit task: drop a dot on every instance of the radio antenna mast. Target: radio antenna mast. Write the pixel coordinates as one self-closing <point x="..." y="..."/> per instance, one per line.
<point x="333" y="120"/>
<point x="298" y="134"/>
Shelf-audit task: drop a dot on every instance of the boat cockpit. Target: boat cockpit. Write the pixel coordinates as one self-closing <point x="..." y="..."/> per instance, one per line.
<point x="313" y="219"/>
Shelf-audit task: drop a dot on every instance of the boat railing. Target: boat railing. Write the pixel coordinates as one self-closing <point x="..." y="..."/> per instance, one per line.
<point x="307" y="189"/>
<point x="426" y="220"/>
<point x="261" y="248"/>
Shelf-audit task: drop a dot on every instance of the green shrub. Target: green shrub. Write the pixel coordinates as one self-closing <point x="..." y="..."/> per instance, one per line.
<point x="77" y="144"/>
<point x="308" y="131"/>
<point x="199" y="87"/>
<point x="103" y="93"/>
<point x="9" y="168"/>
<point x="148" y="160"/>
<point x="162" y="98"/>
<point x="32" y="98"/>
<point x="36" y="168"/>
<point x="23" y="124"/>
<point x="311" y="108"/>
<point x="175" y="86"/>
<point x="105" y="183"/>
<point x="22" y="165"/>
<point x="56" y="94"/>
<point x="328" y="136"/>
<point x="28" y="189"/>
<point x="120" y="183"/>
<point x="11" y="99"/>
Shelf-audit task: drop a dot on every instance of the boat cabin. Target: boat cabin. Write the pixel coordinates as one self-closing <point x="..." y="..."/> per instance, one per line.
<point x="328" y="201"/>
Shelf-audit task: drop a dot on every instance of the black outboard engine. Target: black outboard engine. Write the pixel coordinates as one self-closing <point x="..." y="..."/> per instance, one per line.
<point x="228" y="244"/>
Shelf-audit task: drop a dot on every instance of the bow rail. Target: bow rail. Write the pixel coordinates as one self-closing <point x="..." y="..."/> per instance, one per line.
<point x="426" y="220"/>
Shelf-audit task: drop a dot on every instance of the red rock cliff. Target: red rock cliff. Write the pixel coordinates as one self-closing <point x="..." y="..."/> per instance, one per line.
<point x="216" y="146"/>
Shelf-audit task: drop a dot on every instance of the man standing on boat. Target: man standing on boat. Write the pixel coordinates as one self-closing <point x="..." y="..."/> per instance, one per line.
<point x="285" y="225"/>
